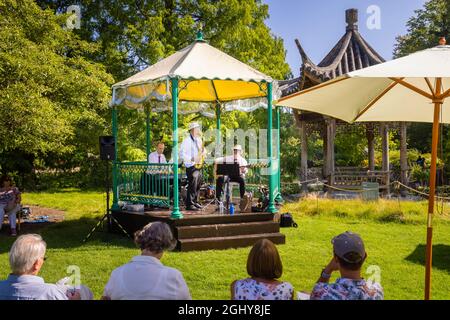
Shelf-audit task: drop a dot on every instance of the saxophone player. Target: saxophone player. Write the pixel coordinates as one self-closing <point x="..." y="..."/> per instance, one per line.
<point x="192" y="153"/>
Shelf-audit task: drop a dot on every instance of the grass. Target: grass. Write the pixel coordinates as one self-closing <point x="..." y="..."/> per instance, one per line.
<point x="394" y="234"/>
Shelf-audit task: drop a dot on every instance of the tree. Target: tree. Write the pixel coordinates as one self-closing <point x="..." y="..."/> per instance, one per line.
<point x="135" y="34"/>
<point x="425" y="28"/>
<point x="53" y="100"/>
<point x="423" y="31"/>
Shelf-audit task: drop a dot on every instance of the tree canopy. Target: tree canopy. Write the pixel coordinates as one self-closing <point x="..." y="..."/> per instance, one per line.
<point x="52" y="98"/>
<point x="135" y="34"/>
<point x="423" y="31"/>
<point x="425" y="28"/>
<point x="55" y="83"/>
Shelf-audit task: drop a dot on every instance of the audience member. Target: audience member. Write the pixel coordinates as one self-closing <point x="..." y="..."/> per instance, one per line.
<point x="26" y="258"/>
<point x="349" y="256"/>
<point x="264" y="268"/>
<point x="145" y="277"/>
<point x="9" y="202"/>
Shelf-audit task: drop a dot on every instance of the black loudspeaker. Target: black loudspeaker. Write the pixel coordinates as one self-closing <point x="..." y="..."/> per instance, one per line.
<point x="107" y="146"/>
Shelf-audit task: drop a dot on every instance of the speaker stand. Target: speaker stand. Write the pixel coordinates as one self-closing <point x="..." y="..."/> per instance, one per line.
<point x="108" y="216"/>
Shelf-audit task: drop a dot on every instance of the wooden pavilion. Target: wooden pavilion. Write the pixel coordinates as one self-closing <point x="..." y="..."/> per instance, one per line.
<point x="352" y="52"/>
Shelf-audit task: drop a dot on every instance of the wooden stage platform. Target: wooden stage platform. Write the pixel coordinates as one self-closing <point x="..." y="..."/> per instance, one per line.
<point x="206" y="229"/>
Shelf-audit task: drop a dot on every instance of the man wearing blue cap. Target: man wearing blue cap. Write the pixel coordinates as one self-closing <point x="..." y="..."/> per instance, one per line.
<point x="349" y="256"/>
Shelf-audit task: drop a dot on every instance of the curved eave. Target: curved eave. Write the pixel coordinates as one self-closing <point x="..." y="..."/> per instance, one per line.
<point x="351" y="53"/>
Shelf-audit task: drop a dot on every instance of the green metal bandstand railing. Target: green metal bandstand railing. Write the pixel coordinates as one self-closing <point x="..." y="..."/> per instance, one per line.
<point x="145" y="183"/>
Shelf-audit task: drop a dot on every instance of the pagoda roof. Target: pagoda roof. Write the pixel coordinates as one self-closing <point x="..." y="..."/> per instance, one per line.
<point x="288" y="87"/>
<point x="351" y="52"/>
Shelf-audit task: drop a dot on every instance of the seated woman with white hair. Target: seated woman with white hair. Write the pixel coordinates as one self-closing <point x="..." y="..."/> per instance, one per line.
<point x="26" y="257"/>
<point x="145" y="277"/>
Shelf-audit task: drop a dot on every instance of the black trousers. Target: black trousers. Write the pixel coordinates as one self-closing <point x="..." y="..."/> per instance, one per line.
<point x="194" y="177"/>
<point x="221" y="181"/>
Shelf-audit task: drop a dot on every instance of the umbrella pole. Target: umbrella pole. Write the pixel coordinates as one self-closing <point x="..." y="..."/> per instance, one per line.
<point x="434" y="148"/>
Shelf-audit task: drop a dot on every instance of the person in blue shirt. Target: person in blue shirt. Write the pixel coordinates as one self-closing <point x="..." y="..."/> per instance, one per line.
<point x="26" y="257"/>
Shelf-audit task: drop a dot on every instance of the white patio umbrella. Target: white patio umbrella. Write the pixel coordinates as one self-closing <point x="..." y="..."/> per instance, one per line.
<point x="413" y="88"/>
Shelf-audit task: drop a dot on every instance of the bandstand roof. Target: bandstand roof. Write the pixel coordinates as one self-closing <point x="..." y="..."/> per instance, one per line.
<point x="207" y="76"/>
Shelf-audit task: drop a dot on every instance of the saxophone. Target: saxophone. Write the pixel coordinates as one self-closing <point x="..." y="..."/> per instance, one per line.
<point x="201" y="160"/>
<point x="200" y="157"/>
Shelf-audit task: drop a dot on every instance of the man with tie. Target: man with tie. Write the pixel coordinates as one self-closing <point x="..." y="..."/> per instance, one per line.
<point x="158" y="155"/>
<point x="192" y="154"/>
<point x="154" y="180"/>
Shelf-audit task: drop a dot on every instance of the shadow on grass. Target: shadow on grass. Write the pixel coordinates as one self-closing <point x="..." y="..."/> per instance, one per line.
<point x="441" y="256"/>
<point x="69" y="234"/>
<point x="67" y="190"/>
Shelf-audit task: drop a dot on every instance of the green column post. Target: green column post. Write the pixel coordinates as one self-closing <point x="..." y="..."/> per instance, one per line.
<point x="115" y="200"/>
<point x="218" y="126"/>
<point x="176" y="213"/>
<point x="278" y="197"/>
<point x="272" y="181"/>
<point x="147" y="130"/>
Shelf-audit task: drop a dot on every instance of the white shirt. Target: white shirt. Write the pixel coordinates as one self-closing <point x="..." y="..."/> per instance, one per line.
<point x="146" y="278"/>
<point x="231" y="159"/>
<point x="155" y="157"/>
<point x="190" y="149"/>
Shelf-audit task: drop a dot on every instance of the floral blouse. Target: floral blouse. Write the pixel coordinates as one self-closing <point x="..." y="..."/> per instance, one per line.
<point x="348" y="289"/>
<point x="250" y="289"/>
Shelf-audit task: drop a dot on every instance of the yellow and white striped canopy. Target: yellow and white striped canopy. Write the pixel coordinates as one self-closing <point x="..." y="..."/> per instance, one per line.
<point x="206" y="75"/>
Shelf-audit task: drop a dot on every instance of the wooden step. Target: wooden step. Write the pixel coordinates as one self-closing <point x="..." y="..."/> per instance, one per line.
<point x="228" y="242"/>
<point x="196" y="220"/>
<point x="226" y="229"/>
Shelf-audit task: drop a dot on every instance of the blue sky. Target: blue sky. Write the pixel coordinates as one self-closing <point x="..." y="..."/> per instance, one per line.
<point x="319" y="24"/>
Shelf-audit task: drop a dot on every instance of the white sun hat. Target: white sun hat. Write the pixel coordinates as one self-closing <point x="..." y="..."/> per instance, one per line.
<point x="237" y="147"/>
<point x="193" y="125"/>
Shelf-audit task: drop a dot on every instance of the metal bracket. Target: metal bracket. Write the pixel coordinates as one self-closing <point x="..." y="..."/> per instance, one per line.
<point x="183" y="85"/>
<point x="262" y="87"/>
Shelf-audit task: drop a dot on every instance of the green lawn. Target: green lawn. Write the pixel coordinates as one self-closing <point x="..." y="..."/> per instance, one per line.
<point x="394" y="234"/>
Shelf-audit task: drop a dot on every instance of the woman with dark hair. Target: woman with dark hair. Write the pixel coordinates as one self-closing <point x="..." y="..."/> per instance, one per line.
<point x="264" y="268"/>
<point x="145" y="277"/>
<point x="9" y="202"/>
